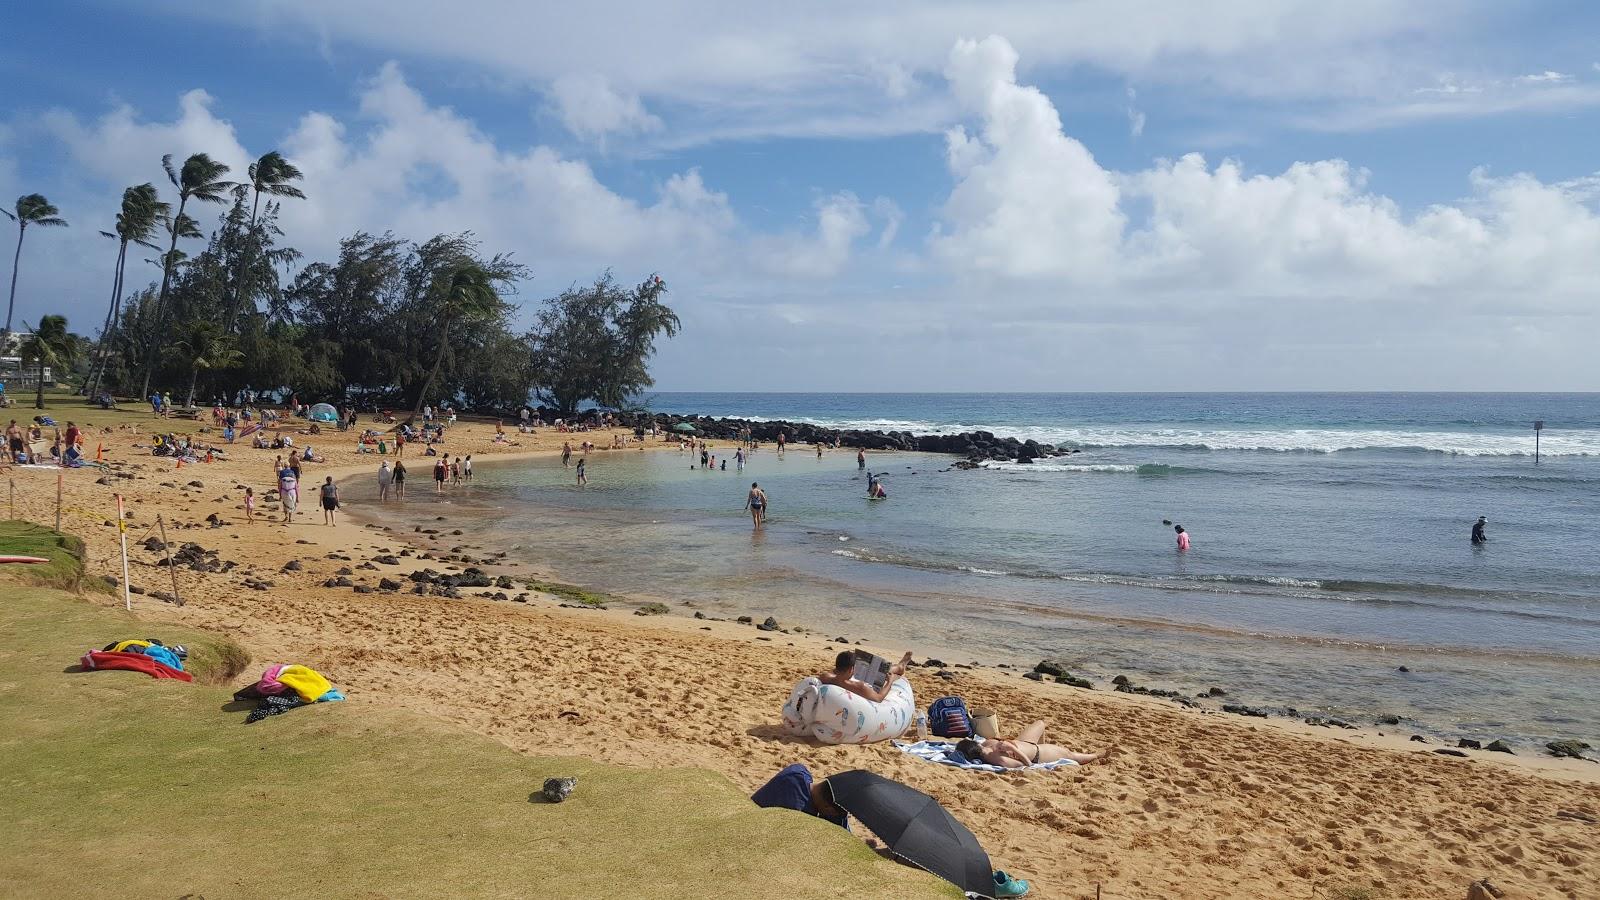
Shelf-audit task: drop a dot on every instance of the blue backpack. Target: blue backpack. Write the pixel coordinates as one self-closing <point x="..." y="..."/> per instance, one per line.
<point x="948" y="718"/>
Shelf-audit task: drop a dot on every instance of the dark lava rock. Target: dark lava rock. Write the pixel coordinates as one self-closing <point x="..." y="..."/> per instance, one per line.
<point x="1242" y="710"/>
<point x="197" y="484"/>
<point x="1055" y="668"/>
<point x="745" y="620"/>
<point x="1419" y="739"/>
<point x="945" y="674"/>
<point x="1216" y="692"/>
<point x="504" y="581"/>
<point x="1469" y="744"/>
<point x="386" y="559"/>
<point x="292" y="565"/>
<point x="1572" y="749"/>
<point x="389" y="584"/>
<point x="770" y="624"/>
<point x="1121" y="681"/>
<point x="154" y="544"/>
<point x="344" y="570"/>
<point x="1075" y="681"/>
<point x="1499" y="747"/>
<point x="1446" y="751"/>
<point x="1403" y="669"/>
<point x="135" y="589"/>
<point x="1033" y="676"/>
<point x="556" y="790"/>
<point x="364" y="589"/>
<point x="419" y="588"/>
<point x="841" y="640"/>
<point x="699" y="615"/>
<point x="933" y="663"/>
<point x="1388" y="720"/>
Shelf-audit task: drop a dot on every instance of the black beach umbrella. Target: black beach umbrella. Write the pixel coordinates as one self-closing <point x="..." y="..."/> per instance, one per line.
<point x="915" y="828"/>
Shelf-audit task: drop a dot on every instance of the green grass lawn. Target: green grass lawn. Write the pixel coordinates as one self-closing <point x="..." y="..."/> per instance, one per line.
<point x="64" y="406"/>
<point x="118" y="784"/>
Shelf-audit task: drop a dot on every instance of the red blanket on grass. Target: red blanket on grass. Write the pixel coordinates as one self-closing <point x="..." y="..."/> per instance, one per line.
<point x="133" y="662"/>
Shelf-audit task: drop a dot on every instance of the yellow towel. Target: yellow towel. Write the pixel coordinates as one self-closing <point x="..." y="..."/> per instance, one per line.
<point x="305" y="681"/>
<point x="122" y="646"/>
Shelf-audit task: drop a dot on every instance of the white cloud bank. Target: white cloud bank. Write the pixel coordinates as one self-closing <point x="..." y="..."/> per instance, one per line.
<point x="1031" y="202"/>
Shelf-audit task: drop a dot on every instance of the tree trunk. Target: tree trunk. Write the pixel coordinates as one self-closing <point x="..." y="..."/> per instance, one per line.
<point x="194" y="378"/>
<point x="244" y="267"/>
<point x="22" y="228"/>
<point x="444" y="344"/>
<point x="38" y="398"/>
<point x="161" y="298"/>
<point x="103" y="351"/>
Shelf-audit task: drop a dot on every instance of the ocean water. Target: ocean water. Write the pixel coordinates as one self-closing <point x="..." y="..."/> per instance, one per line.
<point x="1330" y="543"/>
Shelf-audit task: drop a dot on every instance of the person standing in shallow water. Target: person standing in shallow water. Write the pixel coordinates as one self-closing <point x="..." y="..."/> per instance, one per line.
<point x="1183" y="538"/>
<point x="756" y="502"/>
<point x="1478" y="531"/>
<point x="583" y="476"/>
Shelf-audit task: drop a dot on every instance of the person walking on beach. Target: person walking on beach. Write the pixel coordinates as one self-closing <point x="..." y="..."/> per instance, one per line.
<point x="756" y="502"/>
<point x="294" y="463"/>
<point x="288" y="493"/>
<point x="1183" y="538"/>
<point x="330" y="500"/>
<point x="583" y="477"/>
<point x="399" y="480"/>
<point x="385" y="479"/>
<point x="249" y="506"/>
<point x="782" y="438"/>
<point x="1478" y="535"/>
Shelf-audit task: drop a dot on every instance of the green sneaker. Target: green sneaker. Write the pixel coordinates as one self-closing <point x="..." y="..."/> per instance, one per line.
<point x="1006" y="886"/>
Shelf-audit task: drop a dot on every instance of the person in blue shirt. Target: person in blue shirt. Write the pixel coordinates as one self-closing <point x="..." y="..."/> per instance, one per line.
<point x="793" y="788"/>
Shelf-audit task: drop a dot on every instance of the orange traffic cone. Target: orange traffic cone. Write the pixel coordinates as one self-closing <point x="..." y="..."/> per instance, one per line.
<point x="180" y="462"/>
<point x="99" y="452"/>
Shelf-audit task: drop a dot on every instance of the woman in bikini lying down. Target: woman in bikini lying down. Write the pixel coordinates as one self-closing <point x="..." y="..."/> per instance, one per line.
<point x="1025" y="750"/>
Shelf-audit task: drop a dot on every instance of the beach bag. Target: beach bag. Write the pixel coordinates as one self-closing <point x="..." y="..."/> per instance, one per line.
<point x="948" y="718"/>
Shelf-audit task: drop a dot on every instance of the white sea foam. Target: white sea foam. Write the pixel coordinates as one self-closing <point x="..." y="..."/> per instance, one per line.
<point x="977" y="571"/>
<point x="1003" y="466"/>
<point x="1584" y="442"/>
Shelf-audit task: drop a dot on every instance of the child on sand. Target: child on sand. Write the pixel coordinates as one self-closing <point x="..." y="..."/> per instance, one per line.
<point x="249" y="506"/>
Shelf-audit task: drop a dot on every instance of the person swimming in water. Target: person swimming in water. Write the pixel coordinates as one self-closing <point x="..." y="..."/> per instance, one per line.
<point x="1478" y="528"/>
<point x="1183" y="538"/>
<point x="875" y="489"/>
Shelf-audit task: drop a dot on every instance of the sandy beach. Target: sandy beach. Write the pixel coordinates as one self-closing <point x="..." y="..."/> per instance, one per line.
<point x="1195" y="804"/>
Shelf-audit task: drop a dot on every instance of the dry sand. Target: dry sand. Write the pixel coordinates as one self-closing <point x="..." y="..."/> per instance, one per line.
<point x="1196" y="804"/>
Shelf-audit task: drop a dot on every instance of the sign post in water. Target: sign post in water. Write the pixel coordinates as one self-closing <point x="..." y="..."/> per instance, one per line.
<point x="1538" y="426"/>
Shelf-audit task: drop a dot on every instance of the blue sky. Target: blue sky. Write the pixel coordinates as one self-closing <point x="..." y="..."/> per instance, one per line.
<point x="898" y="196"/>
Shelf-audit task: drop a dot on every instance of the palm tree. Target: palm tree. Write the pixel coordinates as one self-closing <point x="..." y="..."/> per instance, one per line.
<point x="32" y="209"/>
<point x="199" y="179"/>
<point x="208" y="347"/>
<point x="143" y="211"/>
<point x="53" y="346"/>
<point x="470" y="296"/>
<point x="270" y="175"/>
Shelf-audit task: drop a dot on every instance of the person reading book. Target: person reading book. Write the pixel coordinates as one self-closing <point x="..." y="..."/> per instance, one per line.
<point x="844" y="676"/>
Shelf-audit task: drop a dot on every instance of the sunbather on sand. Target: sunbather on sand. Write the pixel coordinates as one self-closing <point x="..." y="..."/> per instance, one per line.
<point x="845" y="663"/>
<point x="1024" y="750"/>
